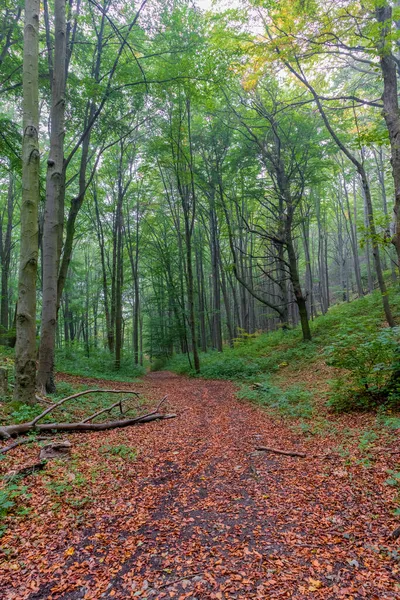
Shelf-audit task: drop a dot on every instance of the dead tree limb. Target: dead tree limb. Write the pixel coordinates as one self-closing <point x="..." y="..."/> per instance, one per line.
<point x="284" y="452"/>
<point x="13" y="430"/>
<point x="20" y="442"/>
<point x="53" y="406"/>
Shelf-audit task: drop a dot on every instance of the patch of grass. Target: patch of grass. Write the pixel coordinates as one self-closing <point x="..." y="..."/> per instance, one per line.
<point x="66" y="484"/>
<point x="294" y="402"/>
<point x="121" y="451"/>
<point x="392" y="422"/>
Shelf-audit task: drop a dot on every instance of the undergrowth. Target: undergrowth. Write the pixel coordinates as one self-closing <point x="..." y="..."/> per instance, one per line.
<point x="294" y="402"/>
<point x="99" y="364"/>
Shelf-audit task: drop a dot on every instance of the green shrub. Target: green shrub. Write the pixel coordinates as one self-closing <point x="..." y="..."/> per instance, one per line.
<point x="217" y="365"/>
<point x="227" y="366"/>
<point x="370" y="362"/>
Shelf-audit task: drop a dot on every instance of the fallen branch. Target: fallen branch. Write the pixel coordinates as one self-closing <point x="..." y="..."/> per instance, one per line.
<point x="20" y="442"/>
<point x="53" y="406"/>
<point x="44" y="400"/>
<point x="13" y="430"/>
<point x="284" y="452"/>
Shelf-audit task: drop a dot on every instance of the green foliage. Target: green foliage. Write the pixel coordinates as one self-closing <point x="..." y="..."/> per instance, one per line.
<point x="100" y="364"/>
<point x="369" y="362"/>
<point x="121" y="451"/>
<point x="294" y="402"/>
<point x="9" y="495"/>
<point x="24" y="412"/>
<point x="217" y="365"/>
<point x="66" y="485"/>
<point x="243" y="338"/>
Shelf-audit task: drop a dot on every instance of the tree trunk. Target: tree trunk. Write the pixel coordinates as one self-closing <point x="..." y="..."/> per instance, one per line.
<point x="54" y="192"/>
<point x="100" y="238"/>
<point x="25" y="348"/>
<point x="119" y="273"/>
<point x="390" y="107"/>
<point x="353" y="239"/>
<point x="5" y="249"/>
<point x="216" y="308"/>
<point x="298" y="294"/>
<point x="375" y="247"/>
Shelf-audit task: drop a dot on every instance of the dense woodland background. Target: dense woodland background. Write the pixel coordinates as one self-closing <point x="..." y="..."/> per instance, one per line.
<point x="204" y="174"/>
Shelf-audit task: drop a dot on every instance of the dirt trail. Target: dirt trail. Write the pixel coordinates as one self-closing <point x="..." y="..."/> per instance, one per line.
<point x="200" y="515"/>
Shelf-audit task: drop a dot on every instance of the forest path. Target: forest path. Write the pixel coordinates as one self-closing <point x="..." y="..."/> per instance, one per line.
<point x="200" y="514"/>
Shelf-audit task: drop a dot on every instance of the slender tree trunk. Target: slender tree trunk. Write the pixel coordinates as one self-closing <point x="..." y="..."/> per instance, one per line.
<point x="216" y="308"/>
<point x="225" y="295"/>
<point x="100" y="238"/>
<point x="298" y="294"/>
<point x="25" y="349"/>
<point x="54" y="191"/>
<point x="119" y="276"/>
<point x="5" y="249"/>
<point x="200" y="286"/>
<point x="375" y="247"/>
<point x="309" y="278"/>
<point x="353" y="239"/>
<point x="391" y="111"/>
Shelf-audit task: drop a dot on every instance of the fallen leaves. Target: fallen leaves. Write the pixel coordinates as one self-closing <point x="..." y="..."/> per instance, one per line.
<point x="198" y="515"/>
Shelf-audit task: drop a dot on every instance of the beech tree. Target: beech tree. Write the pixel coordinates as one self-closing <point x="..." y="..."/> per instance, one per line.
<point x="25" y="348"/>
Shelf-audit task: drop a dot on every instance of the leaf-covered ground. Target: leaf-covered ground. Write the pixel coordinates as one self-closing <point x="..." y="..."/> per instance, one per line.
<point x="193" y="511"/>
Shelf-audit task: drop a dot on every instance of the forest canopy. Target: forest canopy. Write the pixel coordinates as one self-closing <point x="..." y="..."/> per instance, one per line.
<point x="178" y="176"/>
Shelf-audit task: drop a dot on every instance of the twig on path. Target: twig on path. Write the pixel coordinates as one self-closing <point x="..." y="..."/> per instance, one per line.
<point x="284" y="452"/>
<point x="164" y="585"/>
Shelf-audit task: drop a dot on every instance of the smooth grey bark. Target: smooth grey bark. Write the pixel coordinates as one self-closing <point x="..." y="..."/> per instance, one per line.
<point x="54" y="194"/>
<point x="25" y="348"/>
